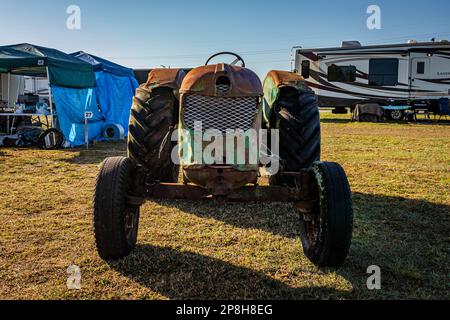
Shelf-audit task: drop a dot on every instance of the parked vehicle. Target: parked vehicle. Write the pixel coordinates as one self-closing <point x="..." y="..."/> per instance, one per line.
<point x="224" y="96"/>
<point x="414" y="74"/>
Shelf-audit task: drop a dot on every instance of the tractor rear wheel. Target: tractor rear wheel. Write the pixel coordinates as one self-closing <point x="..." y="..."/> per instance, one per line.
<point x="154" y="117"/>
<point x="326" y="233"/>
<point x="298" y="121"/>
<point x="115" y="221"/>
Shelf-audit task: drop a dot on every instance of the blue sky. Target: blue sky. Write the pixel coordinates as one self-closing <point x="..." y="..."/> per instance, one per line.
<point x="149" y="33"/>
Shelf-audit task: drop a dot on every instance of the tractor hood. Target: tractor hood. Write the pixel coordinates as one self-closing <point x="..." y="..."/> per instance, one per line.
<point x="207" y="81"/>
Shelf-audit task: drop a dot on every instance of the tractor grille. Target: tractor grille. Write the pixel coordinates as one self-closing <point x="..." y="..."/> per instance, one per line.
<point x="223" y="88"/>
<point x="220" y="113"/>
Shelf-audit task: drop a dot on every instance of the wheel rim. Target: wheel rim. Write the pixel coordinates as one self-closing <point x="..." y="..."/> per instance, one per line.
<point x="312" y="227"/>
<point x="131" y="217"/>
<point x="311" y="221"/>
<point x="396" y="114"/>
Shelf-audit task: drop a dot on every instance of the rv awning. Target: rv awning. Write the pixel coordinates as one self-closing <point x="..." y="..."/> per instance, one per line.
<point x="63" y="69"/>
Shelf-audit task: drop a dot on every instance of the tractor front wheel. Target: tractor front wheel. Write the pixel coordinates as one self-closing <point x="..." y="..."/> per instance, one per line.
<point x="115" y="221"/>
<point x="326" y="233"/>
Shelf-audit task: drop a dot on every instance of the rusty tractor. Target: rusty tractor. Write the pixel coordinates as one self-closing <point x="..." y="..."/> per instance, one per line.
<point x="224" y="97"/>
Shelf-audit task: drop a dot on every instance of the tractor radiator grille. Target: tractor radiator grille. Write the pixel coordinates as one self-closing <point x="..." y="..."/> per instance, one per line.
<point x="220" y="113"/>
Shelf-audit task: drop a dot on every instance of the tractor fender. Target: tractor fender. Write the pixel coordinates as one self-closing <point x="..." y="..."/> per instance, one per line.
<point x="274" y="82"/>
<point x="170" y="78"/>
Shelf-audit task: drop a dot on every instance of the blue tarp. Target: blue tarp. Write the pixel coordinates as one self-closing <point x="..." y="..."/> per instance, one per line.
<point x="71" y="105"/>
<point x="72" y="83"/>
<point x="115" y="88"/>
<point x="100" y="64"/>
<point x="110" y="101"/>
<point x="115" y="97"/>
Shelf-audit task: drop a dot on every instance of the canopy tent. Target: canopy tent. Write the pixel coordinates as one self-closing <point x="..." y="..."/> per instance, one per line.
<point x="100" y="64"/>
<point x="78" y="83"/>
<point x="62" y="69"/>
<point x="115" y="88"/>
<point x="11" y="86"/>
<point x="71" y="86"/>
<point x="71" y="105"/>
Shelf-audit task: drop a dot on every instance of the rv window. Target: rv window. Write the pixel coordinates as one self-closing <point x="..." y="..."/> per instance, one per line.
<point x="341" y="73"/>
<point x="306" y="69"/>
<point x="421" y="67"/>
<point x="383" y="72"/>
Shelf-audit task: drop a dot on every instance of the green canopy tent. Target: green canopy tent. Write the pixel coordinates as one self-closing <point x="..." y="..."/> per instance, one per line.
<point x="61" y="69"/>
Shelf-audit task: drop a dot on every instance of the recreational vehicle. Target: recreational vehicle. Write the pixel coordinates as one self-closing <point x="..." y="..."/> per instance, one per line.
<point x="411" y="74"/>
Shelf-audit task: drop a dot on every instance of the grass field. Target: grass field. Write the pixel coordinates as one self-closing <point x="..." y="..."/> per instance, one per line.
<point x="400" y="178"/>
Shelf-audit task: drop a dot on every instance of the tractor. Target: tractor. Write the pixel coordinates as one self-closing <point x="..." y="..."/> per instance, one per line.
<point x="221" y="97"/>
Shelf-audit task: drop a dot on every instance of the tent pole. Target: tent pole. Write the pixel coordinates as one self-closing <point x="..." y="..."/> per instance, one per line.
<point x="9" y="98"/>
<point x="9" y="87"/>
<point x="20" y="85"/>
<point x="50" y="99"/>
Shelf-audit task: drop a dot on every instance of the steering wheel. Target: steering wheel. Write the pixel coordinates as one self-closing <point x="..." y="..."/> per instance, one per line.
<point x="238" y="58"/>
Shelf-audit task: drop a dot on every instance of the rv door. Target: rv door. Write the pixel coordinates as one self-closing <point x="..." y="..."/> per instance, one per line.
<point x="420" y="69"/>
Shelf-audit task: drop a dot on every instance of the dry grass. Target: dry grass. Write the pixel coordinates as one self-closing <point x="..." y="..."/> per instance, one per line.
<point x="400" y="178"/>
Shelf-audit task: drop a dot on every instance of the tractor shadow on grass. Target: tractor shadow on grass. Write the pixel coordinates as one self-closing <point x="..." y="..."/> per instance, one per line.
<point x="405" y="237"/>
<point x="283" y="219"/>
<point x="277" y="218"/>
<point x="186" y="275"/>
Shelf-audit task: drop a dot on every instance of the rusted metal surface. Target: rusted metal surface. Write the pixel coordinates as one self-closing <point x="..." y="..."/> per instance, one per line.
<point x="171" y="78"/>
<point x="245" y="194"/>
<point x="306" y="207"/>
<point x="220" y="180"/>
<point x="134" y="201"/>
<point x="309" y="189"/>
<point x="265" y="194"/>
<point x="304" y="197"/>
<point x="177" y="191"/>
<point x="221" y="82"/>
<point x="305" y="183"/>
<point x="203" y="80"/>
<point x="276" y="80"/>
<point x="285" y="78"/>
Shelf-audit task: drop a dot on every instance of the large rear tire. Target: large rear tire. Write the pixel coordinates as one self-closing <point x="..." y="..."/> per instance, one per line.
<point x="298" y="121"/>
<point x="326" y="233"/>
<point x="154" y="116"/>
<point x="116" y="222"/>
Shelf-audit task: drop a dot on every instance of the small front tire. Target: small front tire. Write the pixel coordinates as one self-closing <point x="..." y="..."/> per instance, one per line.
<point x="116" y="222"/>
<point x="326" y="233"/>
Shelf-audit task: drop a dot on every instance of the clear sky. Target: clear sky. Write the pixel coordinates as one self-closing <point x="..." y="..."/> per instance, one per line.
<point x="150" y="33"/>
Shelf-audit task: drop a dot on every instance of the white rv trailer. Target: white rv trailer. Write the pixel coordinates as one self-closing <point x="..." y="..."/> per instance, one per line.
<point x="414" y="74"/>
